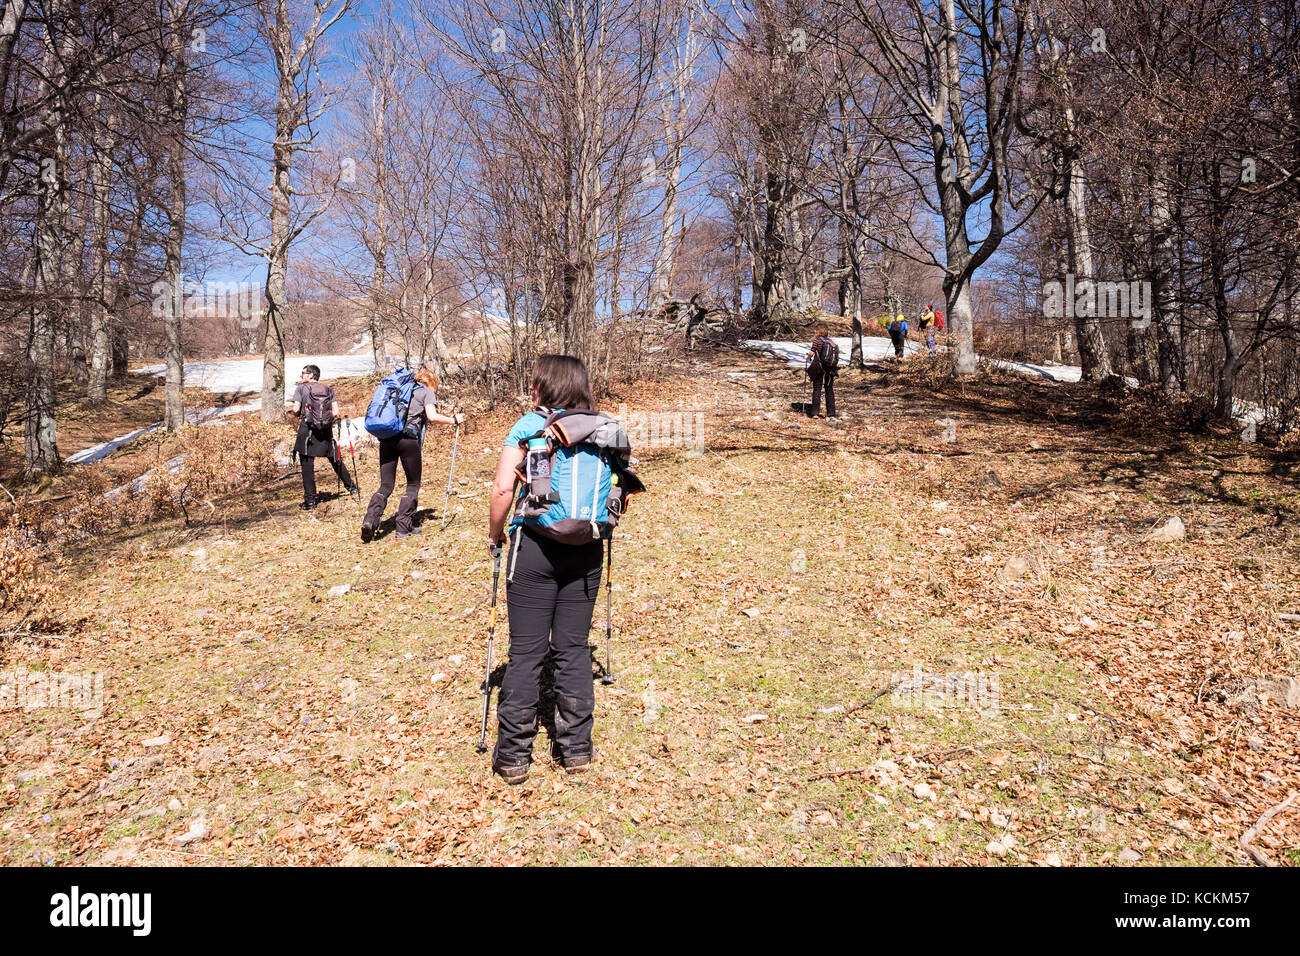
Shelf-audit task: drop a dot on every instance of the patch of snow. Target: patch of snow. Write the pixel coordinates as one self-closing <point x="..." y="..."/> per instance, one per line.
<point x="875" y="348"/>
<point x="136" y="485"/>
<point x="1048" y="370"/>
<point x="245" y="375"/>
<point x="101" y="451"/>
<point x="794" y="353"/>
<point x="234" y="375"/>
<point x="352" y="434"/>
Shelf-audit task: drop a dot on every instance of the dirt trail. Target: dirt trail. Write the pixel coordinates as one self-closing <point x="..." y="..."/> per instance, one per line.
<point x="846" y="642"/>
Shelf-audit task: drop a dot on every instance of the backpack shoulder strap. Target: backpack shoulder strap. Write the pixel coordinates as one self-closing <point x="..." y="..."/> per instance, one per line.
<point x="547" y="415"/>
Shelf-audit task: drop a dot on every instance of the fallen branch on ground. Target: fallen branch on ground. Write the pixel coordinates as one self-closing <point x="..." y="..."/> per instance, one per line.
<point x="867" y="703"/>
<point x="1248" y="838"/>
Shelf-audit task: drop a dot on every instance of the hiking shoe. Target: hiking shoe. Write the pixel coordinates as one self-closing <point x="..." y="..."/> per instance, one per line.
<point x="307" y="506"/>
<point x="512" y="775"/>
<point x="577" y="764"/>
<point x="408" y="534"/>
<point x="367" y="533"/>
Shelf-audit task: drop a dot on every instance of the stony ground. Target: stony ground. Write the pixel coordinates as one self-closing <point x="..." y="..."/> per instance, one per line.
<point x="938" y="631"/>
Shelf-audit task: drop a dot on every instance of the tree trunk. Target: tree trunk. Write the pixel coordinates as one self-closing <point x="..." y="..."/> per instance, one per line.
<point x="378" y="328"/>
<point x="41" y="450"/>
<point x="277" y="267"/>
<point x="73" y="282"/>
<point x="173" y="354"/>
<point x="100" y="344"/>
<point x="1093" y="355"/>
<point x="666" y="262"/>
<point x="1168" y="333"/>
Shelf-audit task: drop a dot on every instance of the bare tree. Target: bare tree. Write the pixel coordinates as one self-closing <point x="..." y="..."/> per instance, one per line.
<point x="295" y="49"/>
<point x="676" y="93"/>
<point x="958" y="69"/>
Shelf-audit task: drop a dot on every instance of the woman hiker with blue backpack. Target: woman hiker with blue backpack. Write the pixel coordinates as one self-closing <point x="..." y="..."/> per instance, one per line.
<point x="399" y="413"/>
<point x="564" y="470"/>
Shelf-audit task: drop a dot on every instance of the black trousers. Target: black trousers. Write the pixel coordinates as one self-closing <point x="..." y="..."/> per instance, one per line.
<point x="391" y="452"/>
<point x="308" y="440"/>
<point x="551" y="592"/>
<point x="820" y="380"/>
<point x="897" y="339"/>
<point x="309" y="476"/>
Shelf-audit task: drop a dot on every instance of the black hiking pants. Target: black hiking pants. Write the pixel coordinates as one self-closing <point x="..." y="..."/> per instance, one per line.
<point x="551" y="592"/>
<point x="391" y="452"/>
<point x="308" y="441"/>
<point x="897" y="339"/>
<point x="819" y="380"/>
<point x="309" y="476"/>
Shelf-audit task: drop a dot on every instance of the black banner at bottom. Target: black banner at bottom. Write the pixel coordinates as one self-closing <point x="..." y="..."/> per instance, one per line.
<point x="333" y="906"/>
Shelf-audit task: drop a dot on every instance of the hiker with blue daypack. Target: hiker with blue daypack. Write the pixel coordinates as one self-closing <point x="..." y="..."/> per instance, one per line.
<point x="564" y="471"/>
<point x="898" y="334"/>
<point x="399" y="413"/>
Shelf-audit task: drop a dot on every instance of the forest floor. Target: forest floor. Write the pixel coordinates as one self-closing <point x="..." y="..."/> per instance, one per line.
<point x="934" y="632"/>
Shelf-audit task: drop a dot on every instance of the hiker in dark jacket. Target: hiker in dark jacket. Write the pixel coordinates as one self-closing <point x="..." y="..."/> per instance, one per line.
<point x="406" y="449"/>
<point x="898" y="334"/>
<point x="823" y="365"/>
<point x="319" y="410"/>
<point x="551" y="590"/>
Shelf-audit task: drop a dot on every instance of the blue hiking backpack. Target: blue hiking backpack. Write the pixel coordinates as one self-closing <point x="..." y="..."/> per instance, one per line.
<point x="576" y="477"/>
<point x="386" y="416"/>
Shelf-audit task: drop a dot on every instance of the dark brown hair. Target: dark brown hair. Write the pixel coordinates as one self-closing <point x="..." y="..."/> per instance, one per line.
<point x="562" y="382"/>
<point x="313" y="370"/>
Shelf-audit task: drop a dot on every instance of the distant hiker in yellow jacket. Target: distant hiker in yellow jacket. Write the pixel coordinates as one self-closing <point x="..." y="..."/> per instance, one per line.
<point x="926" y="324"/>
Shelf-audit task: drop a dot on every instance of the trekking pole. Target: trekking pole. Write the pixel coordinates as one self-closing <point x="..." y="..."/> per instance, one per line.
<point x="608" y="676"/>
<point x="450" y="471"/>
<point x="492" y="629"/>
<point x="338" y="455"/>
<point x="352" y="447"/>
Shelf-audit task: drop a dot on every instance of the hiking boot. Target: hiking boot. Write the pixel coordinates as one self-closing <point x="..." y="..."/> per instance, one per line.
<point x="512" y="775"/>
<point x="367" y="533"/>
<point x="577" y="764"/>
<point x="307" y="506"/>
<point x="408" y="534"/>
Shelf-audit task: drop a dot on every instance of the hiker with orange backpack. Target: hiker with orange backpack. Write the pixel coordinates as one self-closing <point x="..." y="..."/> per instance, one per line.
<point x="319" y="409"/>
<point x="926" y="323"/>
